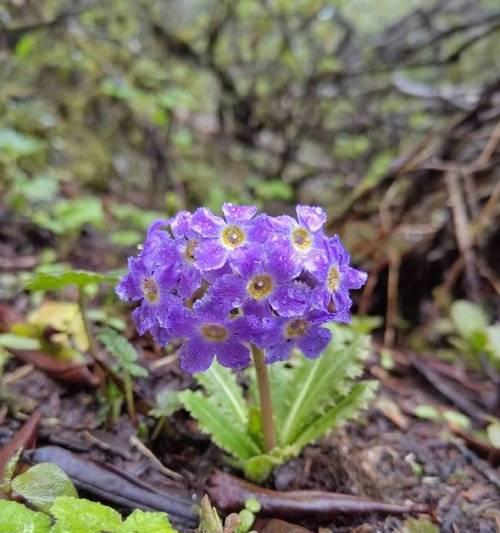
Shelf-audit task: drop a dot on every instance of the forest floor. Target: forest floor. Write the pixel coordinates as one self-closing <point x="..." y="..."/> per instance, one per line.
<point x="388" y="456"/>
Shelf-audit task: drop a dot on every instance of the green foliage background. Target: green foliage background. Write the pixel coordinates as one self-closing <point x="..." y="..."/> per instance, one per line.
<point x="113" y="113"/>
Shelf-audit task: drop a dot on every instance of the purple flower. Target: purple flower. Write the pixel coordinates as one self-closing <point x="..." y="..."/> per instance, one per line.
<point x="337" y="278"/>
<point x="208" y="333"/>
<point x="304" y="238"/>
<point x="305" y="333"/>
<point x="221" y="236"/>
<point x="186" y="240"/>
<point x="151" y="280"/>
<point x="220" y="284"/>
<point x="263" y="279"/>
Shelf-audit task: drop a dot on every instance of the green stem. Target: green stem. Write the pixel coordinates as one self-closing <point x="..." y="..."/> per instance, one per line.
<point x="82" y="304"/>
<point x="266" y="407"/>
<point x="124" y="385"/>
<point x="129" y="398"/>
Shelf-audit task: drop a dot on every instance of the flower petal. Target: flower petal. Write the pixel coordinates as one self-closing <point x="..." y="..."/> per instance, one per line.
<point x="233" y="354"/>
<point x="342" y="306"/>
<point x="238" y="213"/>
<point x="279" y="352"/>
<point x="129" y="288"/>
<point x="337" y="254"/>
<point x="181" y="321"/>
<point x="181" y="224"/>
<point x="189" y="281"/>
<point x="196" y="355"/>
<point x="314" y="341"/>
<point x="160" y="335"/>
<point x="248" y="260"/>
<point x="291" y="299"/>
<point x="206" y="223"/>
<point x="353" y="278"/>
<point x="313" y="218"/>
<point x="210" y="255"/>
<point x="282" y="264"/>
<point x="229" y="291"/>
<point x="156" y="227"/>
<point x="145" y="317"/>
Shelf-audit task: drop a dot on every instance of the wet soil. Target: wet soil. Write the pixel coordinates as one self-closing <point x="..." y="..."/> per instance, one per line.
<point x="387" y="455"/>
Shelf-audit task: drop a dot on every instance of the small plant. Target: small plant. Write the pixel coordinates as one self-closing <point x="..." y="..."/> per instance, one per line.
<point x="253" y="287"/>
<point x="84" y="281"/>
<point x="234" y="523"/>
<point x="59" y="510"/>
<point x="126" y="364"/>
<point x="473" y="335"/>
<point x="309" y="398"/>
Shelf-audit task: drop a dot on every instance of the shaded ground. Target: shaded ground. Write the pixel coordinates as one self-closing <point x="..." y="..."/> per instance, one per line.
<point x="389" y="455"/>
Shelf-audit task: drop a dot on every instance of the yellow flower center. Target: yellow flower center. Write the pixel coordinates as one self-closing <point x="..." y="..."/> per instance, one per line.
<point x="260" y="286"/>
<point x="296" y="328"/>
<point x="301" y="239"/>
<point x="150" y="290"/>
<point x="333" y="281"/>
<point x="232" y="237"/>
<point x="189" y="250"/>
<point x="214" y="332"/>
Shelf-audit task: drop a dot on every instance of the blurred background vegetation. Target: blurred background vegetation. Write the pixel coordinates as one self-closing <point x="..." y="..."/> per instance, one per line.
<point x="384" y="112"/>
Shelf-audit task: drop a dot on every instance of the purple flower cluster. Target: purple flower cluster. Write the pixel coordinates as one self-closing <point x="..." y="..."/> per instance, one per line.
<point x="220" y="284"/>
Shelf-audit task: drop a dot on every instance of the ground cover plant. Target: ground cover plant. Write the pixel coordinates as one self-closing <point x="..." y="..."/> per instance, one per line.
<point x="253" y="286"/>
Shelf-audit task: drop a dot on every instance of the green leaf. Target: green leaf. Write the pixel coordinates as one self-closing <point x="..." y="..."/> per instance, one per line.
<point x="427" y="412"/>
<point x="42" y="484"/>
<point x="231" y="438"/>
<point x="209" y="518"/>
<point x="25" y="45"/>
<point x="494" y="342"/>
<point x="493" y="431"/>
<point x="77" y="515"/>
<point x="167" y="403"/>
<point x="16" y="518"/>
<point x="18" y="342"/>
<point x="259" y="468"/>
<point x="123" y="350"/>
<point x="222" y="388"/>
<point x="52" y="281"/>
<point x="420" y="525"/>
<point x="317" y="384"/>
<point x="468" y="318"/>
<point x="68" y="216"/>
<point x="457" y="419"/>
<point x="142" y="522"/>
<point x="17" y="144"/>
<point x="356" y="400"/>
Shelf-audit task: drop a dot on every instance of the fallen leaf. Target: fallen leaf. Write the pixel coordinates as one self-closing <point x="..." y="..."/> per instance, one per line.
<point x="65" y="317"/>
<point x="24" y="438"/>
<point x="74" y="373"/>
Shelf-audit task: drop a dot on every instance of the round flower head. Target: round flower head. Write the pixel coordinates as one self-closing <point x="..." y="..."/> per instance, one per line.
<point x="218" y="285"/>
<point x="207" y="333"/>
<point x="151" y="280"/>
<point x="302" y="238"/>
<point x="305" y="332"/>
<point x="186" y="240"/>
<point x="337" y="278"/>
<point x="221" y="236"/>
<point x="264" y="278"/>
